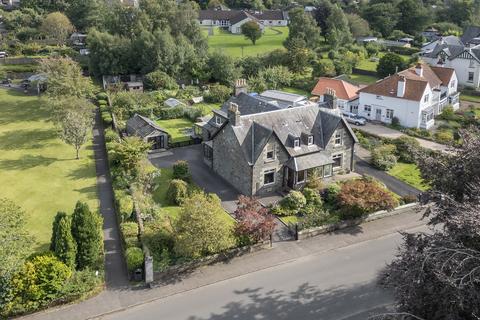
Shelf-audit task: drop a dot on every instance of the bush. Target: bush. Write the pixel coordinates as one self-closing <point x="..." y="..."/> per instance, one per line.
<point x="102" y="102"/>
<point x="107" y="118"/>
<point x="405" y="148"/>
<point x="181" y="170"/>
<point x="177" y="191"/>
<point x="172" y="113"/>
<point x="332" y="192"/>
<point x="134" y="257"/>
<point x="444" y="136"/>
<point x="124" y="203"/>
<point x="396" y="122"/>
<point x="218" y="93"/>
<point x="292" y="203"/>
<point x="384" y="157"/>
<point x="312" y="197"/>
<point x="129" y="229"/>
<point x="79" y="284"/>
<point x="160" y="80"/>
<point x="111" y="135"/>
<point x="409" y="198"/>
<point x="359" y="197"/>
<point x="102" y="96"/>
<point x="132" y="242"/>
<point x="315" y="180"/>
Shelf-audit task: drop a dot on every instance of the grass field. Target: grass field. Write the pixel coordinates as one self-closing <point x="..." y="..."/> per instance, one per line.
<point x="363" y="79"/>
<point x="408" y="173"/>
<point x="469" y="98"/>
<point x="177" y="128"/>
<point x="367" y="64"/>
<point x="232" y="44"/>
<point x="37" y="170"/>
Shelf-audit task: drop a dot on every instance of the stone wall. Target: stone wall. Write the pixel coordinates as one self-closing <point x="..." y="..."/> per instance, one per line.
<point x="346" y="149"/>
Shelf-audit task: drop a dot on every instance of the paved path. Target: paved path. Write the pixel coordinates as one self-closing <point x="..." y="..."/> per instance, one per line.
<point x="232" y="272"/>
<point x="385" y="132"/>
<point x="363" y="166"/>
<point x="115" y="268"/>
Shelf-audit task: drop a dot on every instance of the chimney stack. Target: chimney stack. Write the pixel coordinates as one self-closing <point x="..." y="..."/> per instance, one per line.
<point x="233" y="114"/>
<point x="419" y="69"/>
<point x="240" y="86"/>
<point x="330" y="97"/>
<point x="401" y="87"/>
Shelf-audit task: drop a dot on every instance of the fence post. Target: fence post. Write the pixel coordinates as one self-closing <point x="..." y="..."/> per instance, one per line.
<point x="296" y="231"/>
<point x="271" y="240"/>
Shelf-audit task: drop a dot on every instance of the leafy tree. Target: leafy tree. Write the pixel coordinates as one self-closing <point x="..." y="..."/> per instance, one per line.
<point x="86" y="14"/>
<point x="382" y="17"/>
<point x="338" y="33"/>
<point x="15" y="242"/>
<point x="76" y="121"/>
<point x="254" y="222"/>
<point x="222" y="68"/>
<point x="64" y="245"/>
<point x="160" y="80"/>
<point x="323" y="11"/>
<point x="276" y="77"/>
<point x="383" y="157"/>
<point x="406" y="148"/>
<point x="251" y="30"/>
<point x="323" y="68"/>
<point x="65" y="79"/>
<point x="200" y="229"/>
<point x="414" y="17"/>
<point x="58" y="26"/>
<point x="299" y="56"/>
<point x="128" y="153"/>
<point x="359" y="27"/>
<point x="181" y="170"/>
<point x="303" y="26"/>
<point x="218" y="93"/>
<point x="177" y="191"/>
<point x="460" y="12"/>
<point x="251" y="65"/>
<point x="389" y="64"/>
<point x="87" y="232"/>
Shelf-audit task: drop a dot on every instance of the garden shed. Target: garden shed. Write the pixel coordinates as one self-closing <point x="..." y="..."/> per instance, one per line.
<point x="148" y="131"/>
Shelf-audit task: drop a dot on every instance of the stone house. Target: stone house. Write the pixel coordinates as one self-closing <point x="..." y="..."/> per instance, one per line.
<point x="275" y="150"/>
<point x="148" y="131"/>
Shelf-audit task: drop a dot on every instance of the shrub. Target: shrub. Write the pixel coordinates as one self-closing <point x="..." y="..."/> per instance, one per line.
<point x="316" y="219"/>
<point x="181" y="170"/>
<point x="80" y="283"/>
<point x="254" y="222"/>
<point x="383" y="157"/>
<point x="218" y="93"/>
<point x="132" y="242"/>
<point x="362" y="196"/>
<point x="124" y="203"/>
<point x="292" y="203"/>
<point x="102" y="96"/>
<point x="111" y="135"/>
<point x="409" y="198"/>
<point x="129" y="229"/>
<point x="102" y="102"/>
<point x="177" y="191"/>
<point x="313" y="197"/>
<point x="332" y="192"/>
<point x="396" y="122"/>
<point x="315" y="180"/>
<point x="107" y="118"/>
<point x="172" y="113"/>
<point x="444" y="136"/>
<point x="134" y="257"/>
<point x="160" y="80"/>
<point x="405" y="148"/>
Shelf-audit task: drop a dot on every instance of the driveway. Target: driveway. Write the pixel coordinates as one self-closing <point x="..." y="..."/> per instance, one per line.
<point x="386" y="132"/>
<point x="209" y="181"/>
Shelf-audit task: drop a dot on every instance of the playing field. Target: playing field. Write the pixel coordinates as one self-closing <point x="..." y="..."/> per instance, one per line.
<point x="237" y="46"/>
<point x="38" y="171"/>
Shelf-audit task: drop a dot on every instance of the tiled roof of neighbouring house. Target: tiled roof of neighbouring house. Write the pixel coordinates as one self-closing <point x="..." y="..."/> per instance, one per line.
<point x="343" y="89"/>
<point x="238" y="15"/>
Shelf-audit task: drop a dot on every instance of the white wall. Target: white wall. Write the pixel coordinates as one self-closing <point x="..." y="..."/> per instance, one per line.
<point x="462" y="68"/>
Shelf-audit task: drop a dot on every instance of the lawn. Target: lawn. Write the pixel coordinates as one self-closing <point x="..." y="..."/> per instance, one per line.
<point x="363" y="79"/>
<point x="178" y="129"/>
<point x="290" y="220"/>
<point x="209" y="107"/>
<point x="236" y="45"/>
<point x="469" y="98"/>
<point x="367" y="64"/>
<point x="408" y="173"/>
<point x="38" y="171"/>
<point x="296" y="91"/>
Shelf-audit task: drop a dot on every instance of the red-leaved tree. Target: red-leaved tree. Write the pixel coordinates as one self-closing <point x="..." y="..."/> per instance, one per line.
<point x="254" y="222"/>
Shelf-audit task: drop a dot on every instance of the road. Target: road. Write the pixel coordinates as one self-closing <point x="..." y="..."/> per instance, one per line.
<point x="337" y="284"/>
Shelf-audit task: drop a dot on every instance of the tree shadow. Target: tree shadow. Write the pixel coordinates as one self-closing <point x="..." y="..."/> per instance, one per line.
<point x="27" y="162"/>
<point x="307" y="302"/>
<point x="26" y="139"/>
<point x="32" y="110"/>
<point x="89" y="193"/>
<point x="82" y="172"/>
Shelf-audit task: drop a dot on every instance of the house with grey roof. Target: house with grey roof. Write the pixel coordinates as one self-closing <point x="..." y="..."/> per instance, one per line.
<point x="278" y="149"/>
<point x="461" y="54"/>
<point x="148" y="131"/>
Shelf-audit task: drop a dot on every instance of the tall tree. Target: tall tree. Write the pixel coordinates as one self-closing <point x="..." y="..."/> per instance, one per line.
<point x="359" y="27"/>
<point x="251" y="30"/>
<point x="338" y="33"/>
<point x="414" y="17"/>
<point x="389" y="64"/>
<point x="222" y="68"/>
<point x="322" y="12"/>
<point x="86" y="14"/>
<point x="460" y="12"/>
<point x="65" y="247"/>
<point x="87" y="232"/>
<point x="60" y="215"/>
<point x="303" y="26"/>
<point x="58" y="26"/>
<point x="299" y="56"/>
<point x="128" y="153"/>
<point x="382" y="17"/>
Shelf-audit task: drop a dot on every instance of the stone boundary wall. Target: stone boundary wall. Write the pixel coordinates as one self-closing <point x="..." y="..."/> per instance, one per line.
<point x="18" y="61"/>
<point x="312" y="232"/>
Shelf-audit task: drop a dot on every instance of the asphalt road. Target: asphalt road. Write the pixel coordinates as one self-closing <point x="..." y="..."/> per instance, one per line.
<point x="338" y="284"/>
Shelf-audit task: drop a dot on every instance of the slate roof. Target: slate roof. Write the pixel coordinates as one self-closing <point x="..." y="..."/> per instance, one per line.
<point x="143" y="127"/>
<point x="453" y="46"/>
<point x="254" y="130"/>
<point x="247" y="104"/>
<point x="414" y="84"/>
<point x="312" y="160"/>
<point x="238" y="15"/>
<point x="343" y="89"/>
<point x="282" y="95"/>
<point x="470" y="33"/>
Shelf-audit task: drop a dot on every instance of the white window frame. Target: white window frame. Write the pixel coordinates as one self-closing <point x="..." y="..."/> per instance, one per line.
<point x="426" y="98"/>
<point x="473" y="76"/>
<point x="310" y="140"/>
<point x="337" y="156"/>
<point x="389" y="114"/>
<point x="338" y="136"/>
<point x="329" y="172"/>
<point x="270" y="148"/>
<point x="269" y="172"/>
<point x="296" y="143"/>
<point x="218" y="120"/>
<point x="304" y="176"/>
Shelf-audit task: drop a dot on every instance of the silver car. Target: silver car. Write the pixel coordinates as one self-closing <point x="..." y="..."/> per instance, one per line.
<point x="354" y="118"/>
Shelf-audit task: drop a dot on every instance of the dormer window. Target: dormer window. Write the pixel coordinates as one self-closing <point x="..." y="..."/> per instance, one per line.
<point x="310" y="140"/>
<point x="296" y="143"/>
<point x="218" y="120"/>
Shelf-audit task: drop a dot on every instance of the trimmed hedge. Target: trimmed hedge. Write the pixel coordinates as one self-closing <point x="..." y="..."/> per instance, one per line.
<point x="124" y="203"/>
<point x="107" y="118"/>
<point x="129" y="229"/>
<point x="134" y="257"/>
<point x="177" y="191"/>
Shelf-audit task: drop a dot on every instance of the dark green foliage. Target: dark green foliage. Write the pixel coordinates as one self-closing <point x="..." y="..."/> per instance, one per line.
<point x="251" y="30"/>
<point x="406" y="147"/>
<point x="181" y="170"/>
<point x="221" y="68"/>
<point x="218" y="93"/>
<point x="111" y="135"/>
<point x="87" y="232"/>
<point x="134" y="257"/>
<point x="291" y="204"/>
<point x="160" y="80"/>
<point x="129" y="229"/>
<point x="107" y="118"/>
<point x="79" y="284"/>
<point x="332" y="192"/>
<point x="303" y="26"/>
<point x="383" y="157"/>
<point x="60" y="215"/>
<point x="312" y="197"/>
<point x="389" y="64"/>
<point x="65" y="247"/>
<point x="177" y="191"/>
<point x="382" y="17"/>
<point x="324" y="68"/>
<point x="124" y="205"/>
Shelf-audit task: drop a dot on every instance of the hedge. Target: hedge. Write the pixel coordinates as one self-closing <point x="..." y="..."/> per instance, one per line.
<point x="107" y="118"/>
<point x="124" y="203"/>
<point x="134" y="257"/>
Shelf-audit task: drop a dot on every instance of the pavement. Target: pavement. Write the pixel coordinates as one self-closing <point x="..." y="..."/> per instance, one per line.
<point x="325" y="277"/>
<point x="115" y="268"/>
<point x="386" y="132"/>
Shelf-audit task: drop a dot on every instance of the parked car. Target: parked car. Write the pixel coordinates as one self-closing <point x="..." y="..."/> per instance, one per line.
<point x="354" y="118"/>
<point x="3" y="54"/>
<point x="7" y="81"/>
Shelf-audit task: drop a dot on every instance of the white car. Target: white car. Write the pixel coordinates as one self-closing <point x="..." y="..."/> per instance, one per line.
<point x="354" y="118"/>
<point x="3" y="54"/>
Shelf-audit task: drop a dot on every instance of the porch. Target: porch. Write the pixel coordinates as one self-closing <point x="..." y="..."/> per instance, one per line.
<point x="427" y="118"/>
<point x="299" y="170"/>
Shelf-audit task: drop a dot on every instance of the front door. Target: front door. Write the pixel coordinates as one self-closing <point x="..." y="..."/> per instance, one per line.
<point x="290" y="178"/>
<point x="354" y="108"/>
<point x="378" y="115"/>
<point x="157" y="142"/>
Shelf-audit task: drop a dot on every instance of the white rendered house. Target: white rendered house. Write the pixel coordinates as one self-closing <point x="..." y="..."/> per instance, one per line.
<point x="414" y="96"/>
<point x="345" y="93"/>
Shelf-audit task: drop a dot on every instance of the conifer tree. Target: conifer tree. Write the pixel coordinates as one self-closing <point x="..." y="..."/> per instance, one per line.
<point x="57" y="219"/>
<point x="65" y="246"/>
